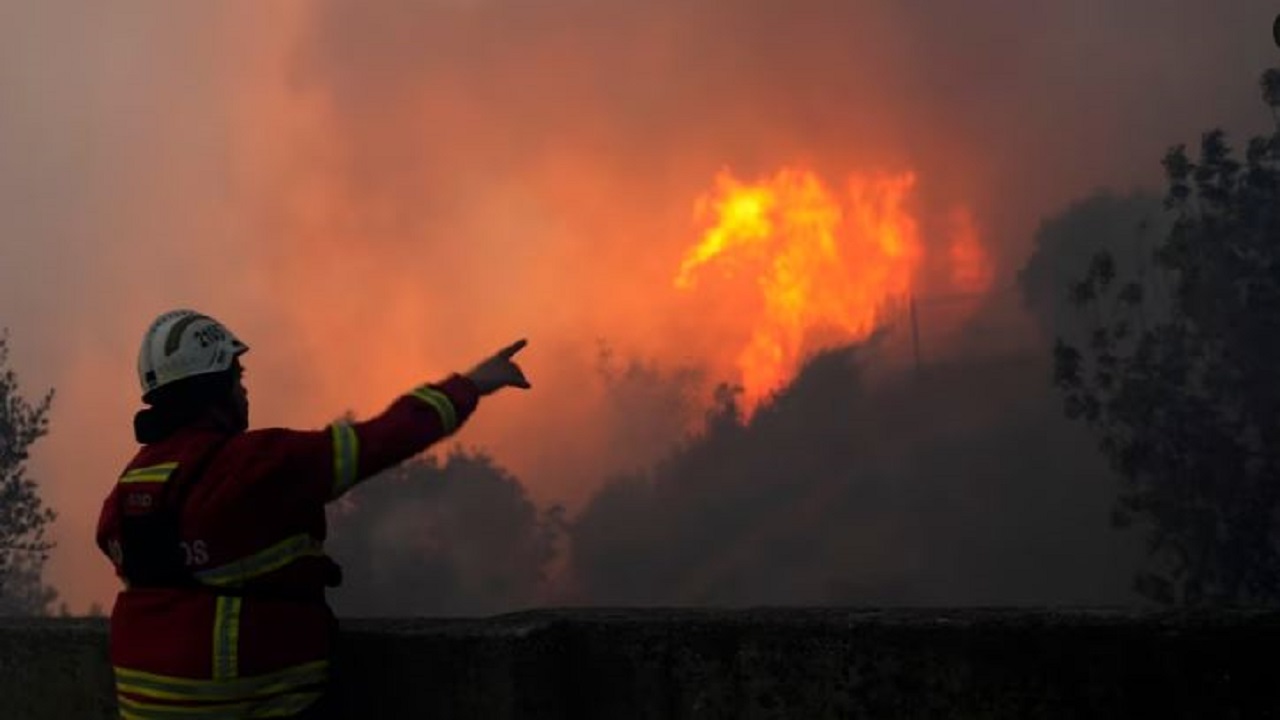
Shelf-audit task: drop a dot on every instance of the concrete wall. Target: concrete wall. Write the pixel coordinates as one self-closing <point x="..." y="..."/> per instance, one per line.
<point x="821" y="663"/>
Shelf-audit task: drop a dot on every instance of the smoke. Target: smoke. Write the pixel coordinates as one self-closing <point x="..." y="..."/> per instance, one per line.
<point x="374" y="194"/>
<point x="648" y="408"/>
<point x="458" y="173"/>
<point x="112" y="208"/>
<point x="864" y="481"/>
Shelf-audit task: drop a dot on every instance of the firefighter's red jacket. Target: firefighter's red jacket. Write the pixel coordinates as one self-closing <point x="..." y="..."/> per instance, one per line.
<point x="253" y="524"/>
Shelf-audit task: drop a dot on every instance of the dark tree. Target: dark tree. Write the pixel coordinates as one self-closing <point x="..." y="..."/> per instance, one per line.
<point x="1181" y="378"/>
<point x="1126" y="227"/>
<point x="25" y="592"/>
<point x="458" y="537"/>
<point x="23" y="517"/>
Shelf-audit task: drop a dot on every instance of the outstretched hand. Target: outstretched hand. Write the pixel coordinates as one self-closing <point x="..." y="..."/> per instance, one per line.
<point x="500" y="371"/>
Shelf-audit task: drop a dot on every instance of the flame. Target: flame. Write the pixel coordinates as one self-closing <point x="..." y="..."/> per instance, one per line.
<point x="824" y="271"/>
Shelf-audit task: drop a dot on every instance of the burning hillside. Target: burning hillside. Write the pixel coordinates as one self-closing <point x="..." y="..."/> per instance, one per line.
<point x="809" y="269"/>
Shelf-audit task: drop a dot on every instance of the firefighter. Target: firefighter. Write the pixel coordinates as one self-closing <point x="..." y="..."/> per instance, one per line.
<point x="218" y="532"/>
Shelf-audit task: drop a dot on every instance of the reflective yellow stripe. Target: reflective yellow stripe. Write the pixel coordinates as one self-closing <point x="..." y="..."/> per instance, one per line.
<point x="226" y="638"/>
<point x="262" y="562"/>
<point x="155" y="473"/>
<point x="279" y="706"/>
<point x="285" y="705"/>
<point x="442" y="404"/>
<point x="165" y="687"/>
<point x="131" y="709"/>
<point x="346" y="453"/>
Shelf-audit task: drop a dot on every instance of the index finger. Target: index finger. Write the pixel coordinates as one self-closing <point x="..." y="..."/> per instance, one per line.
<point x="509" y="351"/>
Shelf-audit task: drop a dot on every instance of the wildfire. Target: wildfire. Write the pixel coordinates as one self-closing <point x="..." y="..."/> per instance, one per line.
<point x="825" y="267"/>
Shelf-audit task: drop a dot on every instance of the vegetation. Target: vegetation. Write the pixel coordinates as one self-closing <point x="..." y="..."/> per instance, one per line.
<point x="1180" y="375"/>
<point x="23" y="516"/>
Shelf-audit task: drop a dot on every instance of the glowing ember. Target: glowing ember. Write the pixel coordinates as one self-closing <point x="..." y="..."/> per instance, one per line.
<point x="824" y="270"/>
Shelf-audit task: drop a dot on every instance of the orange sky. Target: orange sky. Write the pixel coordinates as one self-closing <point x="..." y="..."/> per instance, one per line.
<point x="376" y="194"/>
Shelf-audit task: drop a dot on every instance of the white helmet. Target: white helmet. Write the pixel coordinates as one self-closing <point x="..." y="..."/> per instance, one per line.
<point x="182" y="344"/>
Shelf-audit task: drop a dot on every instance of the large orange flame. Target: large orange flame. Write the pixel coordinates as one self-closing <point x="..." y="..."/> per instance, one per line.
<point x="824" y="271"/>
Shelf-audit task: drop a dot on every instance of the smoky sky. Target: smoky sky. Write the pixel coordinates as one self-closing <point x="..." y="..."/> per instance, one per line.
<point x="374" y="194"/>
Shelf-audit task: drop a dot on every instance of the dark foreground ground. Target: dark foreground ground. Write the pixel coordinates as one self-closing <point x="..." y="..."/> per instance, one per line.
<point x="772" y="663"/>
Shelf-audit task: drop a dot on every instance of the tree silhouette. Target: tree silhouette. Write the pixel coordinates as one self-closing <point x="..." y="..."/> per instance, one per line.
<point x="862" y="484"/>
<point x="458" y="537"/>
<point x="23" y="517"/>
<point x="1186" y="400"/>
